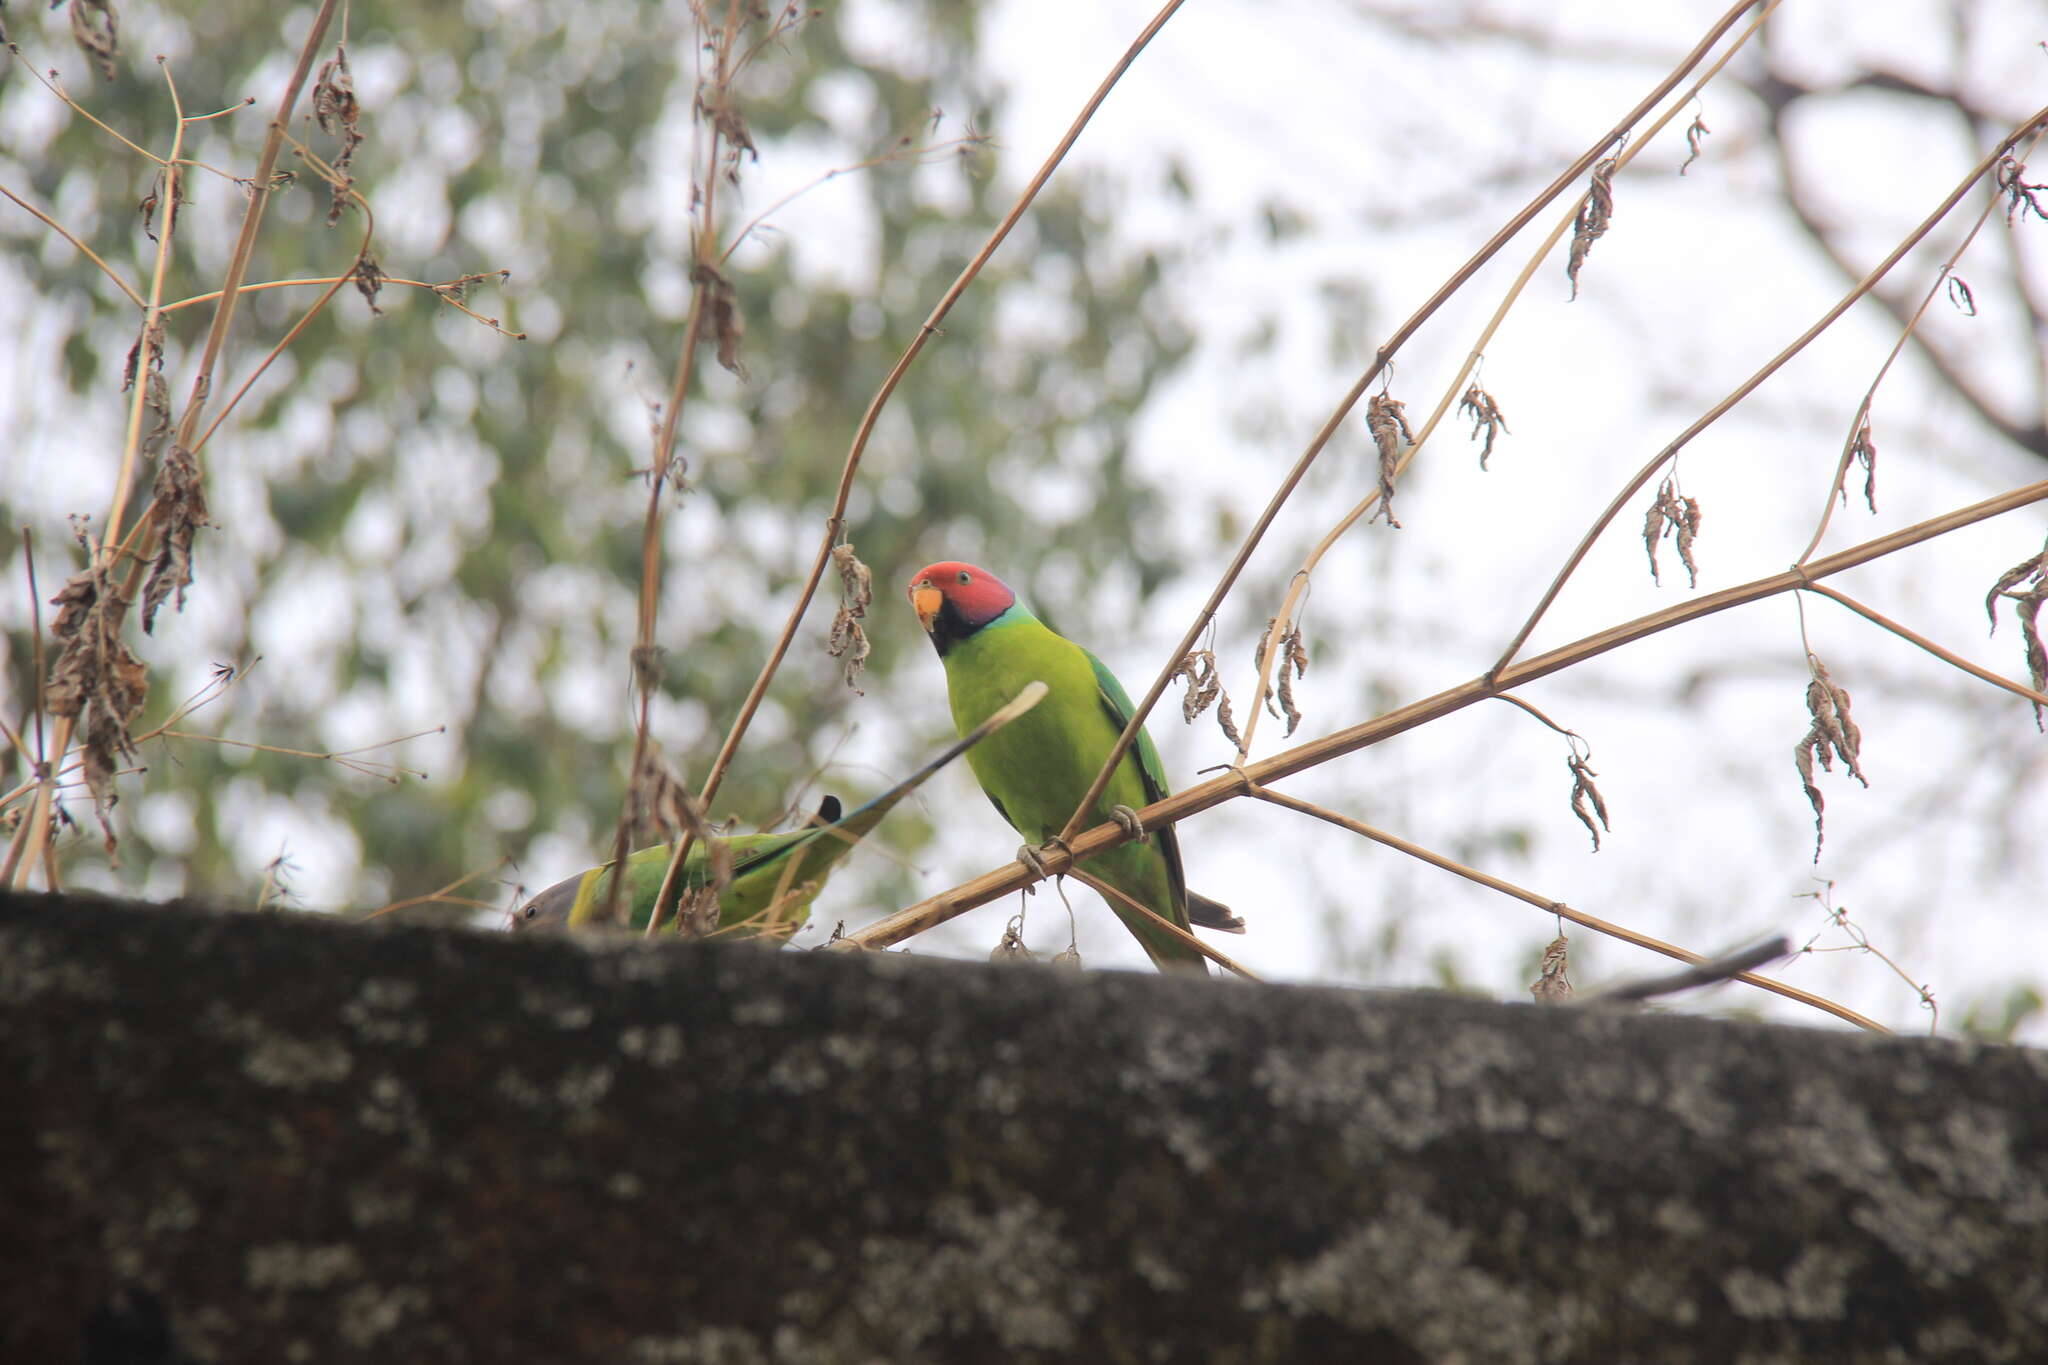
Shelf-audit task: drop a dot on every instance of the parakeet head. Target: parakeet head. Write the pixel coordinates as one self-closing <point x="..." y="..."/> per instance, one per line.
<point x="953" y="600"/>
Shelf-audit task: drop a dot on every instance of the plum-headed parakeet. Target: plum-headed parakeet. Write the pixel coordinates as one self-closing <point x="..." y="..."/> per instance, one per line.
<point x="1037" y="770"/>
<point x="774" y="876"/>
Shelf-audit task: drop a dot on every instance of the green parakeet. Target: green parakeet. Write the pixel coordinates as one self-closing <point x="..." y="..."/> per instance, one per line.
<point x="774" y="876"/>
<point x="1037" y="770"/>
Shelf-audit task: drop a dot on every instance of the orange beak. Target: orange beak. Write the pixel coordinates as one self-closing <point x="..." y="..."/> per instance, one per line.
<point x="926" y="600"/>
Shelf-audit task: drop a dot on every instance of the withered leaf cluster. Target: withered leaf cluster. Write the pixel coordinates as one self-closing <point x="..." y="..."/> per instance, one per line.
<point x="1586" y="801"/>
<point x="1486" y="416"/>
<point x="1832" y="735"/>
<point x="698" y="914"/>
<point x="1678" y="517"/>
<point x="1596" y="211"/>
<point x="1553" y="982"/>
<point x="97" y="33"/>
<point x="369" y="277"/>
<point x="1695" y="133"/>
<point x="1293" y="663"/>
<point x="146" y="358"/>
<point x="336" y="111"/>
<point x="179" y="510"/>
<point x="848" y="642"/>
<point x="1205" y="688"/>
<point x="1864" y="449"/>
<point x="97" y="682"/>
<point x="2033" y="573"/>
<point x="1390" y="436"/>
<point x="731" y="126"/>
<point x="728" y="324"/>
<point x="2020" y="197"/>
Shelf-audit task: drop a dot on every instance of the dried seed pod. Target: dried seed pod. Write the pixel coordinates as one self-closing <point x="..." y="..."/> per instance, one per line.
<point x="1553" y="983"/>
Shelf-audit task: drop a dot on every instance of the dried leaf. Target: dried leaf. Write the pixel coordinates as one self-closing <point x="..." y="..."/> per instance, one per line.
<point x="1486" y="416"/>
<point x="1554" y="983"/>
<point x="2028" y="611"/>
<point x="180" y="512"/>
<point x="1228" y="722"/>
<point x="658" y="805"/>
<point x="1865" y="451"/>
<point x="1293" y="664"/>
<point x="1959" y="294"/>
<point x="1012" y="949"/>
<point x="1584" y="792"/>
<point x="1198" y="666"/>
<point x="728" y="324"/>
<point x="1596" y="211"/>
<point x="1679" y="516"/>
<point x="1390" y="436"/>
<point x="97" y="33"/>
<point x="731" y="126"/>
<point x="2035" y="568"/>
<point x="2019" y="194"/>
<point x="369" y="277"/>
<point x="76" y="599"/>
<point x="848" y="642"/>
<point x="1694" y="135"/>
<point x="336" y="110"/>
<point x="699" y="912"/>
<point x="1834" y="734"/>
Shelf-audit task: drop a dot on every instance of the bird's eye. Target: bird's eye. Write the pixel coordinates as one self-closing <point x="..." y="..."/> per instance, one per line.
<point x="530" y="911"/>
<point x="966" y="577"/>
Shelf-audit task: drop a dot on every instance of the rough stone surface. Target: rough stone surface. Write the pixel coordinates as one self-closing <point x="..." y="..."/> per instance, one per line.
<point x="278" y="1138"/>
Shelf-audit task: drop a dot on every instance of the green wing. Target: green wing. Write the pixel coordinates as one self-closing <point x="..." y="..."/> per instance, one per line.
<point x="1116" y="704"/>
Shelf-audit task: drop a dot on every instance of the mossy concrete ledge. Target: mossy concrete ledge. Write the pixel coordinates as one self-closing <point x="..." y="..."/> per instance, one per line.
<point x="280" y="1138"/>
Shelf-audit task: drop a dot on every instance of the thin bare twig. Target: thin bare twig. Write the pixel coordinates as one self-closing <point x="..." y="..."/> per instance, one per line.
<point x="1568" y="177"/>
<point x="835" y="522"/>
<point x="1857" y="442"/>
<point x="1743" y="390"/>
<point x="1732" y="966"/>
<point x="1109" y="892"/>
<point x="1557" y="908"/>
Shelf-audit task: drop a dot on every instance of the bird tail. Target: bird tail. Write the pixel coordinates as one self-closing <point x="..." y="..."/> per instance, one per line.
<point x="1204" y="913"/>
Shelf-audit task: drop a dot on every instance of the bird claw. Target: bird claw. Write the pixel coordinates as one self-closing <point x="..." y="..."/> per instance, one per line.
<point x="1034" y="864"/>
<point x="1133" y="827"/>
<point x="1029" y="856"/>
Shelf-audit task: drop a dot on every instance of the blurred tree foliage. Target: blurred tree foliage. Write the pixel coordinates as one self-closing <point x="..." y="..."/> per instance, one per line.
<point x="422" y="522"/>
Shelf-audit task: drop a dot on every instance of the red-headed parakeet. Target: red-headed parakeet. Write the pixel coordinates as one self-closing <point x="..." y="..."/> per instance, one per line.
<point x="1037" y="770"/>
